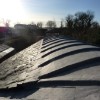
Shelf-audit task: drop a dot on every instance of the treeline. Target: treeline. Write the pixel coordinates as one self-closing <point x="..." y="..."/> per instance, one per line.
<point x="80" y="26"/>
<point x="81" y="21"/>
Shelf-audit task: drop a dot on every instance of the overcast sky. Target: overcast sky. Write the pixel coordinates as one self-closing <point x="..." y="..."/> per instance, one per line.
<point x="27" y="11"/>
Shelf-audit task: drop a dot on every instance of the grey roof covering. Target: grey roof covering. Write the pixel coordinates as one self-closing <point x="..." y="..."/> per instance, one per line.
<point x="55" y="68"/>
<point x="20" y="68"/>
<point x="5" y="50"/>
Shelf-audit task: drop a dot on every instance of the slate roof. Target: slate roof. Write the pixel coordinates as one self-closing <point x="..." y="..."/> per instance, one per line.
<point x="54" y="68"/>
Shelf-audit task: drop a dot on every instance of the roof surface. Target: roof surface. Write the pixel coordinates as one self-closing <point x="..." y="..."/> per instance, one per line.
<point x="5" y="50"/>
<point x="54" y="68"/>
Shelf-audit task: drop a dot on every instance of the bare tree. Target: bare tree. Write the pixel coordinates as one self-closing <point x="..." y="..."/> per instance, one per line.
<point x="95" y="24"/>
<point x="69" y="21"/>
<point x="51" y="24"/>
<point x="32" y="23"/>
<point x="39" y="24"/>
<point x="6" y="22"/>
<point x="62" y="23"/>
<point x="83" y="20"/>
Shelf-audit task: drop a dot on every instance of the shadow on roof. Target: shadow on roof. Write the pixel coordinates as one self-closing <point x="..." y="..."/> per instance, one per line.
<point x="72" y="68"/>
<point x="56" y="45"/>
